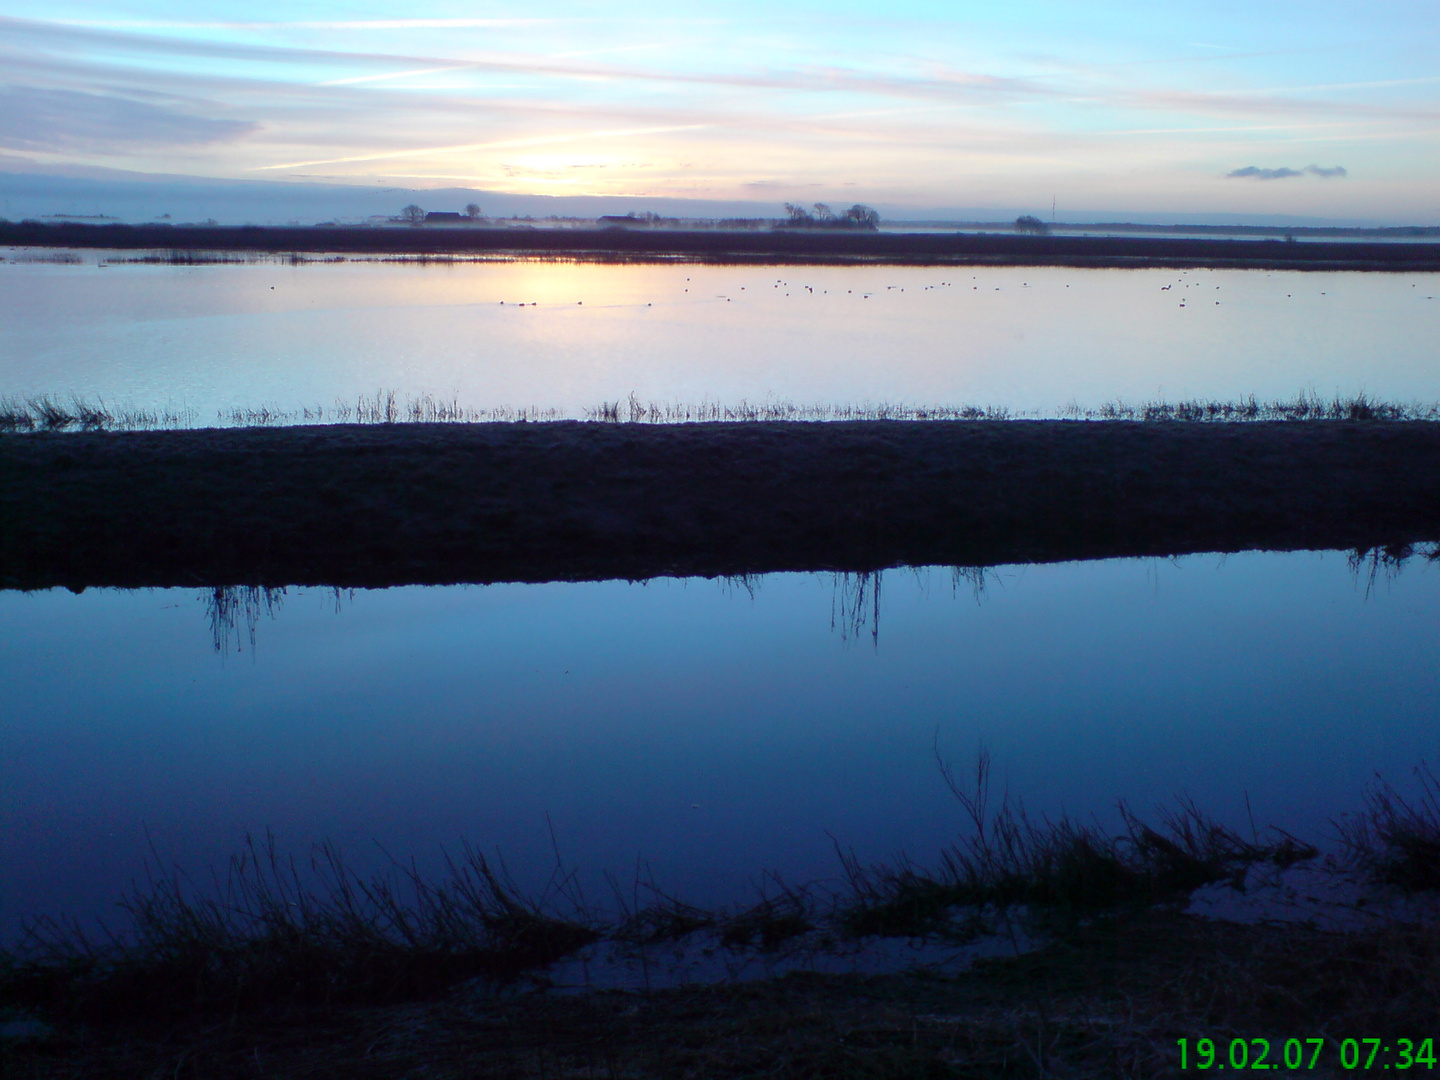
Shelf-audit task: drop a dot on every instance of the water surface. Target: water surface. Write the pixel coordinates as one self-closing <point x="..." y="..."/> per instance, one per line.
<point x="709" y="729"/>
<point x="571" y="335"/>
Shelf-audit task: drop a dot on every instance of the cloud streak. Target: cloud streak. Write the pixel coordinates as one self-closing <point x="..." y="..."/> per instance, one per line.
<point x="499" y="144"/>
<point x="940" y="83"/>
<point x="1254" y="172"/>
<point x="37" y="119"/>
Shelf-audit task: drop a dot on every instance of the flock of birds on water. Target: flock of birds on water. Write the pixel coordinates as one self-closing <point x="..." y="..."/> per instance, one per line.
<point x="780" y="283"/>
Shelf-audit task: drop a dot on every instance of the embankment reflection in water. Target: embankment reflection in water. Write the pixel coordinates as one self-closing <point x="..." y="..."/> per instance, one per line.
<point x="235" y="612"/>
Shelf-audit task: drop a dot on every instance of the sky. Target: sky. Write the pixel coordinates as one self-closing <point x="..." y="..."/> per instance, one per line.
<point x="1266" y="107"/>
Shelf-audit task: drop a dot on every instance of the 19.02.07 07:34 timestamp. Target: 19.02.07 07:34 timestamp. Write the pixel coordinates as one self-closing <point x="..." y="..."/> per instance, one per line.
<point x="1368" y="1054"/>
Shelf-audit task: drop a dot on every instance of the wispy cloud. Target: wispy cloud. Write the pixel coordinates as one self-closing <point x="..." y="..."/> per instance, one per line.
<point x="1372" y="84"/>
<point x="947" y="82"/>
<point x="1224" y="129"/>
<point x="498" y="144"/>
<point x="303" y="24"/>
<point x="356" y="80"/>
<point x="1252" y="103"/>
<point x="34" y="119"/>
<point x="1254" y="172"/>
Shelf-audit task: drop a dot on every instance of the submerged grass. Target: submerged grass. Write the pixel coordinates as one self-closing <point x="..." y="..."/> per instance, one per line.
<point x="50" y="413"/>
<point x="1304" y="406"/>
<point x="634" y="411"/>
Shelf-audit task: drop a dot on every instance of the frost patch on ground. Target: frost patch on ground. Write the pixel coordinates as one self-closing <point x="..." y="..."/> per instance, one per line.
<point x="1323" y="893"/>
<point x="701" y="959"/>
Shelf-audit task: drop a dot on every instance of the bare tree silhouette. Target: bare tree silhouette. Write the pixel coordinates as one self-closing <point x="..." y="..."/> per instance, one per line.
<point x="866" y="217"/>
<point x="858" y="216"/>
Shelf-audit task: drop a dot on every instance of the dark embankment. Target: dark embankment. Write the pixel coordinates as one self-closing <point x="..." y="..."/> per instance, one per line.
<point x="392" y="504"/>
<point x="739" y="246"/>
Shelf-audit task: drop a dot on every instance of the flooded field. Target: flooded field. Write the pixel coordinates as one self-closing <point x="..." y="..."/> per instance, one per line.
<point x="267" y="337"/>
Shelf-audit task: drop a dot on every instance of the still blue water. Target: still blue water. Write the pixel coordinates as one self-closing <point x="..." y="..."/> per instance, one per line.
<point x="710" y="729"/>
<point x="569" y="336"/>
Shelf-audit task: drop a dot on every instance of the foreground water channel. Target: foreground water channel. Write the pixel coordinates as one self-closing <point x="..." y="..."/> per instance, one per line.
<point x="706" y="730"/>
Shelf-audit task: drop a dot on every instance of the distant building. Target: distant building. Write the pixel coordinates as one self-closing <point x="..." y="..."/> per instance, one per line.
<point x="444" y="217"/>
<point x="626" y="221"/>
<point x="633" y="220"/>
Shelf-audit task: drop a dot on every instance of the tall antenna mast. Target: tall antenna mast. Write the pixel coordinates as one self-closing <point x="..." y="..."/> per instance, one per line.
<point x="1052" y="209"/>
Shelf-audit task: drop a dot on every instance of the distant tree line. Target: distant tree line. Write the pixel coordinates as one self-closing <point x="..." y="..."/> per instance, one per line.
<point x="645" y="219"/>
<point x="1029" y="223"/>
<point x="821" y="216"/>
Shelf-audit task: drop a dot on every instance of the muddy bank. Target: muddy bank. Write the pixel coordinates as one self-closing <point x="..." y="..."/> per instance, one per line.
<point x="417" y="503"/>
<point x="1112" y="999"/>
<point x="741" y="246"/>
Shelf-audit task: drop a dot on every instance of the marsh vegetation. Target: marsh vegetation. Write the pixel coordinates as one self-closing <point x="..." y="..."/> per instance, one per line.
<point x="312" y="970"/>
<point x="275" y="930"/>
<point x="50" y="412"/>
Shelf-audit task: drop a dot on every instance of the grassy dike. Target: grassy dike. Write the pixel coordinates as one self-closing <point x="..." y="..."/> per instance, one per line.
<point x="373" y="505"/>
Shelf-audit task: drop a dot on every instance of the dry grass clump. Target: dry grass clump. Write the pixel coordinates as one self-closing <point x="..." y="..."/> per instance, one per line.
<point x="778" y="918"/>
<point x="1304" y="406"/>
<point x="664" y="919"/>
<point x="386" y="407"/>
<point x="270" y="935"/>
<point x="1397" y="839"/>
<point x="1056" y="871"/>
<point x="48" y="413"/>
<point x="634" y="411"/>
